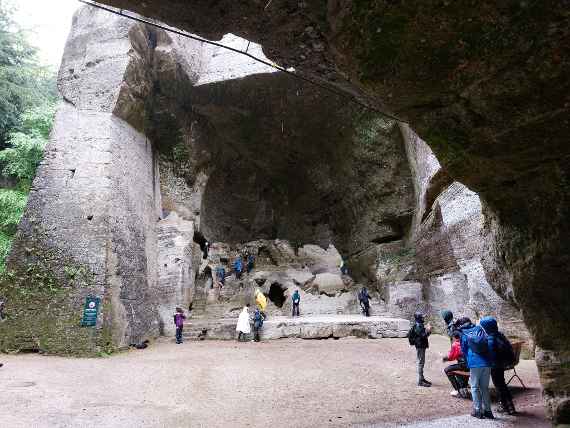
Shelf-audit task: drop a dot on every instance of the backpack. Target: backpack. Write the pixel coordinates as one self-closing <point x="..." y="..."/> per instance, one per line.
<point x="478" y="341"/>
<point x="504" y="350"/>
<point x="412" y="335"/>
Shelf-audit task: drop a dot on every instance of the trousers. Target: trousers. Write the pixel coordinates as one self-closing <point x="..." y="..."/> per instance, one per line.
<point x="457" y="382"/>
<point x="179" y="334"/>
<point x="295" y="309"/>
<point x="421" y="353"/>
<point x="479" y="381"/>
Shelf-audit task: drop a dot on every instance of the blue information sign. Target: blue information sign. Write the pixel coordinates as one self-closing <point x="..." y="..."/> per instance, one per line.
<point x="90" y="312"/>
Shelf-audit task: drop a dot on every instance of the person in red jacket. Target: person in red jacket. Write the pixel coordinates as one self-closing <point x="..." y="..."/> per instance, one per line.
<point x="458" y="382"/>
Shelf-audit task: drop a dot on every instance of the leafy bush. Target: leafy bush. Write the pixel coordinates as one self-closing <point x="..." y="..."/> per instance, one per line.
<point x="12" y="204"/>
<point x="23" y="157"/>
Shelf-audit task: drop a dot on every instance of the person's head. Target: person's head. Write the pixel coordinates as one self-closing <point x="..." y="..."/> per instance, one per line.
<point x="463" y="321"/>
<point x="179" y="310"/>
<point x="419" y="317"/>
<point x="456" y="336"/>
<point x="247" y="306"/>
<point x="447" y="316"/>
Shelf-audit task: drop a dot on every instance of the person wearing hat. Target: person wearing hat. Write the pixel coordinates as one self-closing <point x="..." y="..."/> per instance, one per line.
<point x="418" y="337"/>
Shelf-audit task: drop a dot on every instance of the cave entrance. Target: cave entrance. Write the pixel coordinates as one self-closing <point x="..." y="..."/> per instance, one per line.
<point x="277" y="294"/>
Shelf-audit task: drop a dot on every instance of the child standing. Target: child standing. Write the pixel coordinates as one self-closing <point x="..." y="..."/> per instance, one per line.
<point x="418" y="337"/>
<point x="179" y="318"/>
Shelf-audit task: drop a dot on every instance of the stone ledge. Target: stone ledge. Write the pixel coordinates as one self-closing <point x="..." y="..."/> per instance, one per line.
<point x="311" y="327"/>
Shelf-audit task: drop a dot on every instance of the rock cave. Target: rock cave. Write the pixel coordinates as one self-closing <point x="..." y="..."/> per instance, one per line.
<point x="162" y="142"/>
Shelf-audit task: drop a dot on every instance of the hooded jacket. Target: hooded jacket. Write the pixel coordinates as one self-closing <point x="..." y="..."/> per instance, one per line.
<point x="243" y="322"/>
<point x="474" y="359"/>
<point x="420" y="333"/>
<point x="500" y="347"/>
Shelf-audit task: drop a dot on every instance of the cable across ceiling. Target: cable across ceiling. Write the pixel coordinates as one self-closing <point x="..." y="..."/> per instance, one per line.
<point x="121" y="12"/>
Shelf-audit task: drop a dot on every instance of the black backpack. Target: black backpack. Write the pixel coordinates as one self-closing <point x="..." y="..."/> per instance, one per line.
<point x="412" y="336"/>
<point x="504" y="350"/>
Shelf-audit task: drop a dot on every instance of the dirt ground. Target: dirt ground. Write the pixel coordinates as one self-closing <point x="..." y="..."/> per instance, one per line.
<point x="285" y="383"/>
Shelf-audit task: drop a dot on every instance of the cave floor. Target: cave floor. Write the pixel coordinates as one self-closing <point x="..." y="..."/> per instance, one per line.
<point x="280" y="383"/>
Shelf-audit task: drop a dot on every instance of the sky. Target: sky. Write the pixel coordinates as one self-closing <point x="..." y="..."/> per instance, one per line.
<point x="48" y="22"/>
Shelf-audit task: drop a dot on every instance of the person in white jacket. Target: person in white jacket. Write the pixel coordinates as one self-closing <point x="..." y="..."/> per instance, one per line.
<point x="243" y="326"/>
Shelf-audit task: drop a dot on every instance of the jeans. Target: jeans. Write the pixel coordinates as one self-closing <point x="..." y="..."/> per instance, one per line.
<point x="295" y="309"/>
<point x="498" y="376"/>
<point x="256" y="333"/>
<point x="458" y="382"/>
<point x="479" y="381"/>
<point x="179" y="334"/>
<point x="421" y="352"/>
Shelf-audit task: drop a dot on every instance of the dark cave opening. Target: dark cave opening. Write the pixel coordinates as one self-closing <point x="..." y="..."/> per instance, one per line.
<point x="277" y="294"/>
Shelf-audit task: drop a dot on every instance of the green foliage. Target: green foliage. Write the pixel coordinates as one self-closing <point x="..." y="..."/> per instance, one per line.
<point x="23" y="157"/>
<point x="12" y="204"/>
<point x="24" y="83"/>
<point x="5" y="245"/>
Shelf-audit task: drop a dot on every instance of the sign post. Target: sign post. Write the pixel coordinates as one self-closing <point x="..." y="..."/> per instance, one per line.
<point x="90" y="312"/>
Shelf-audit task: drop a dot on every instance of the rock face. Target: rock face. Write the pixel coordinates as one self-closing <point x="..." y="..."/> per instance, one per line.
<point x="163" y="142"/>
<point x="483" y="85"/>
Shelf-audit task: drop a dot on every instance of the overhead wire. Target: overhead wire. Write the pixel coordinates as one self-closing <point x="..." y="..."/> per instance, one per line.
<point x="246" y="53"/>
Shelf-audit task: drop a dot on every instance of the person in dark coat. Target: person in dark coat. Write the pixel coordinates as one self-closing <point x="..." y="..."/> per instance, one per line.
<point x="364" y="299"/>
<point x="504" y="357"/>
<point x="449" y="323"/>
<point x="250" y="262"/>
<point x="418" y="335"/>
<point x="257" y="324"/>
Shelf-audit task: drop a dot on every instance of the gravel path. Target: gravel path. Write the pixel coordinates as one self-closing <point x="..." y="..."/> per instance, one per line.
<point x="285" y="383"/>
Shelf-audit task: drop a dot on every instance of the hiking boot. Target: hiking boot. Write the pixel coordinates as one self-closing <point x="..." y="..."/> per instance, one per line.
<point x="427" y="381"/>
<point x="476" y="414"/>
<point x="424" y="383"/>
<point x="501" y="408"/>
<point x="487" y="414"/>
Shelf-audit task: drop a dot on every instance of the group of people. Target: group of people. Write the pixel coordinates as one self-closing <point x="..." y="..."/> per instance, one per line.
<point x="481" y="350"/>
<point x="218" y="276"/>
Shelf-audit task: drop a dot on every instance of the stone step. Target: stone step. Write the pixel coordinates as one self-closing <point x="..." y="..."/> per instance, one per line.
<point x="305" y="327"/>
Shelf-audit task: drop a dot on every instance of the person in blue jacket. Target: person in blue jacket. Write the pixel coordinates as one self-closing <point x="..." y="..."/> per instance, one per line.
<point x="238" y="267"/>
<point x="480" y="359"/>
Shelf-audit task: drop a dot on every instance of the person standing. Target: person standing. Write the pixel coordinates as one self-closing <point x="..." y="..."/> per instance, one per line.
<point x="257" y="324"/>
<point x="243" y="327"/>
<point x="475" y="347"/>
<point x="449" y="323"/>
<point x="296" y="298"/>
<point x="418" y="337"/>
<point x="179" y="318"/>
<point x="250" y="263"/>
<point x="364" y="299"/>
<point x="261" y="302"/>
<point x="504" y="357"/>
<point x="457" y="382"/>
<point x="238" y="267"/>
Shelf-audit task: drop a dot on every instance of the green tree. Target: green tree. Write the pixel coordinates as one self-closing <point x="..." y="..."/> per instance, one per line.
<point x="23" y="82"/>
